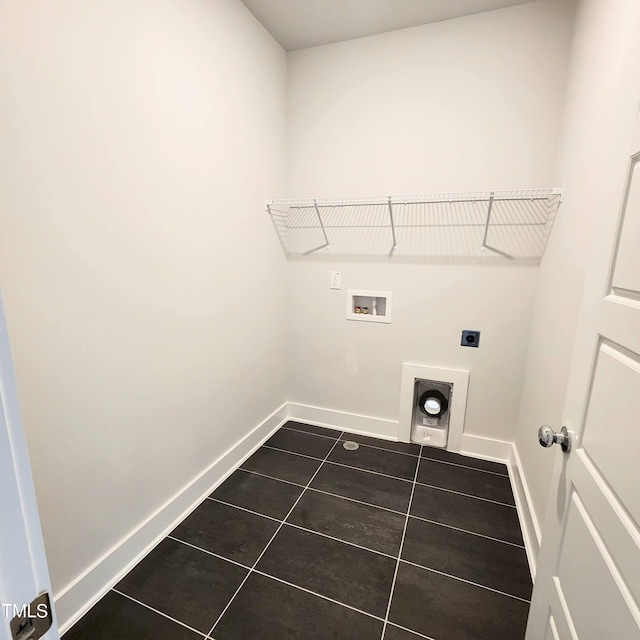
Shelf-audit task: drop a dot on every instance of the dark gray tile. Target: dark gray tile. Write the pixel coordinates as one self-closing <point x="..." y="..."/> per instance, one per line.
<point x="307" y="444"/>
<point x="189" y="585"/>
<point x="488" y="518"/>
<point x="380" y="443"/>
<point x="389" y="493"/>
<point x="311" y="428"/>
<point x="263" y="495"/>
<point x="285" y="466"/>
<point x="448" y="609"/>
<point x="361" y="524"/>
<point x="394" y="633"/>
<point x="470" y="481"/>
<point x="266" y="609"/>
<point x="227" y="531"/>
<point x="116" y="616"/>
<point x="467" y="461"/>
<point x="359" y="578"/>
<point x="490" y="563"/>
<point x="390" y="463"/>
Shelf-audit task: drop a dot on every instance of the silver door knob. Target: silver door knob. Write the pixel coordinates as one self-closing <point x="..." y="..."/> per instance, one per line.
<point x="547" y="436"/>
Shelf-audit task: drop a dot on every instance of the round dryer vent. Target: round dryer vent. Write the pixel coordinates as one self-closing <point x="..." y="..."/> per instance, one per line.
<point x="433" y="403"/>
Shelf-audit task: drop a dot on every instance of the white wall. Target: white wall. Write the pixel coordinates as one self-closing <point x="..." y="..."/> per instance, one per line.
<point x="143" y="284"/>
<point x="468" y="104"/>
<point x="605" y="33"/>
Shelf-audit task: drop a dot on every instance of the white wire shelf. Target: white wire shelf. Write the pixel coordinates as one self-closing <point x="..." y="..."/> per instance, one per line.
<point x="513" y="225"/>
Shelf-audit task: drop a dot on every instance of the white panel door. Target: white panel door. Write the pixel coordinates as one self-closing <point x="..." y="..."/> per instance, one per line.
<point x="23" y="567"/>
<point x="588" y="581"/>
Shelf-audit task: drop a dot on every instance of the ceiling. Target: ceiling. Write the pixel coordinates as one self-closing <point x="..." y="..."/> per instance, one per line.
<point x="298" y="24"/>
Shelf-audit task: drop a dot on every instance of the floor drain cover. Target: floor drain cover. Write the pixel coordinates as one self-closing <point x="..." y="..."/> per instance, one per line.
<point x="350" y="445"/>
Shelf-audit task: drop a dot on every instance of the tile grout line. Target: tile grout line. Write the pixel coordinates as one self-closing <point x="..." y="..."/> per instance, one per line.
<point x="467" y="495"/>
<point x="338" y="464"/>
<point x="325" y="493"/>
<point x="466" y="466"/>
<point x="264" y="475"/>
<point x="404" y="533"/>
<point x="319" y="595"/>
<point x="422" y="484"/>
<point x="294" y="453"/>
<point x="164" y="615"/>
<point x="473" y="533"/>
<point x="301" y="486"/>
<point x="375" y="473"/>
<point x="475" y="584"/>
<point x="236" y="506"/>
<point x="366" y="504"/>
<point x="386" y="475"/>
<point x="362" y="502"/>
<point x="346" y="435"/>
<point x="255" y="564"/>
<point x="291" y="584"/>
<point x="268" y="575"/>
<point x="351" y="544"/>
<point x="211" y="553"/>
<point x="372" y="446"/>
<point x="405" y="453"/>
<point x="412" y="631"/>
<point x="371" y="504"/>
<point x="309" y="433"/>
<point x="297" y="526"/>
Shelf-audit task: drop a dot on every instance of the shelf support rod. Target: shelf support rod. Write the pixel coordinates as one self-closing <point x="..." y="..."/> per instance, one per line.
<point x="275" y="226"/>
<point x="324" y="233"/>
<point x="486" y="226"/>
<point x="393" y="228"/>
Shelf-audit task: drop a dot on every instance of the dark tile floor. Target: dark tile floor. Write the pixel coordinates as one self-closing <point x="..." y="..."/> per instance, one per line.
<point x="309" y="541"/>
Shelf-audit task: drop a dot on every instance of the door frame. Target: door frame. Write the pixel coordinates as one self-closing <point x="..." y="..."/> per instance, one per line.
<point x="24" y="573"/>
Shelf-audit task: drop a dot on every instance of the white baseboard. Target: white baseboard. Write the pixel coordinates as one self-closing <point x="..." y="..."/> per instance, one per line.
<point x="344" y="421"/>
<point x="485" y="448"/>
<point x="531" y="531"/>
<point x="475" y="446"/>
<point x="78" y="597"/>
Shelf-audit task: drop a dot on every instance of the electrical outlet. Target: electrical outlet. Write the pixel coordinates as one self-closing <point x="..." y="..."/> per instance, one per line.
<point x="470" y="339"/>
<point x="334" y="282"/>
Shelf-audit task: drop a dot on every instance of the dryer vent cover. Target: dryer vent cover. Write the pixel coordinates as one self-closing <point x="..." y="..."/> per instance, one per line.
<point x="433" y="403"/>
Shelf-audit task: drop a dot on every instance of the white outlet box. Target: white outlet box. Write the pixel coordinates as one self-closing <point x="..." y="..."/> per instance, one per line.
<point x="369" y="306"/>
<point x="334" y="281"/>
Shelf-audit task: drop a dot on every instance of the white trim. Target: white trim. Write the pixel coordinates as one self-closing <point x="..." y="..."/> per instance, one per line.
<point x="460" y="381"/>
<point x="78" y="597"/>
<point x="531" y="531"/>
<point x="369" y="317"/>
<point x="23" y="563"/>
<point x="475" y="446"/>
<point x="343" y="421"/>
<point x="485" y="448"/>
